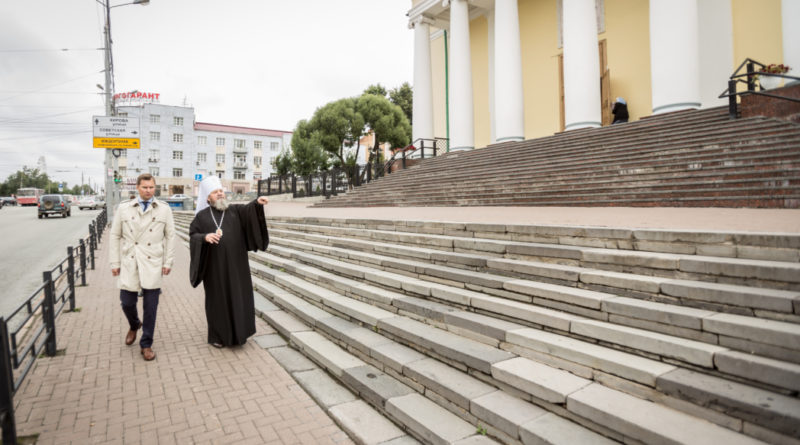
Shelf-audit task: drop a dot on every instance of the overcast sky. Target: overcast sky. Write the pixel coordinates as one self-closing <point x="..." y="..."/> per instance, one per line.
<point x="254" y="63"/>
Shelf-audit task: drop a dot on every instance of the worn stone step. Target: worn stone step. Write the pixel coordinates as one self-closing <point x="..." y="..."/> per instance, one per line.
<point x="669" y="346"/>
<point x="666" y="319"/>
<point x="381" y="389"/>
<point x="646" y="421"/>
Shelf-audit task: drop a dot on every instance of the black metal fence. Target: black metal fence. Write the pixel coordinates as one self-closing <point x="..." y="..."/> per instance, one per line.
<point x="31" y="328"/>
<point x="339" y="180"/>
<point x="749" y="73"/>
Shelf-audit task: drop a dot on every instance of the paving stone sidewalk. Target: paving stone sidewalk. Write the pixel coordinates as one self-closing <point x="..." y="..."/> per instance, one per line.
<point x="102" y="392"/>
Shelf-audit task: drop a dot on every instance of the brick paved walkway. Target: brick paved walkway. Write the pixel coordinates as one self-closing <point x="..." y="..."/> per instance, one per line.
<point x="101" y="391"/>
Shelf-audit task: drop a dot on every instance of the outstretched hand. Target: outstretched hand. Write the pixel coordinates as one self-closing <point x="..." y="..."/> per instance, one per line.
<point x="263" y="200"/>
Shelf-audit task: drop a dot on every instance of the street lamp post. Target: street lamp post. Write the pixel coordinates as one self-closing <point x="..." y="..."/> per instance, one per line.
<point x="111" y="162"/>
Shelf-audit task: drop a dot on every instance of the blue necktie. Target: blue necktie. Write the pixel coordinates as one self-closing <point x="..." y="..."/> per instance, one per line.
<point x="144" y="204"/>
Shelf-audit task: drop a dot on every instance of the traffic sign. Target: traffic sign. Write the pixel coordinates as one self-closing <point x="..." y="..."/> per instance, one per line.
<point x="116" y="132"/>
<point x="116" y="143"/>
<point x="198" y="177"/>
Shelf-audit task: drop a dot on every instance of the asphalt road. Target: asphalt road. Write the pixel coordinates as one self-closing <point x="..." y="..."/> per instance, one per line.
<point x="31" y="246"/>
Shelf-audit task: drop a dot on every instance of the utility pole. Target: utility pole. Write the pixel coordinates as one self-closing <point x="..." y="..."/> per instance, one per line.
<point x="111" y="191"/>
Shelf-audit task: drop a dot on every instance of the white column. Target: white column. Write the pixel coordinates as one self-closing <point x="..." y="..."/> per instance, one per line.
<point x="462" y="131"/>
<point x="790" y="17"/>
<point x="581" y="65"/>
<point x="422" y="111"/>
<point x="674" y="55"/>
<point x="508" y="72"/>
<point x="715" y="49"/>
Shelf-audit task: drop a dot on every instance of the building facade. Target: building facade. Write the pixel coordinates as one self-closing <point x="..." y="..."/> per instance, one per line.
<point x="177" y="150"/>
<point x="490" y="71"/>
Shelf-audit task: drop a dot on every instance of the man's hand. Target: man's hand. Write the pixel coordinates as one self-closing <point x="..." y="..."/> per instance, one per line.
<point x="115" y="272"/>
<point x="263" y="200"/>
<point x="212" y="238"/>
<point x="165" y="270"/>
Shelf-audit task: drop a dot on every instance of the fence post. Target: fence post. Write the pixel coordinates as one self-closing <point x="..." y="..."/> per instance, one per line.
<point x="6" y="387"/>
<point x="71" y="276"/>
<point x="294" y="186"/>
<point x="751" y="85"/>
<point x="48" y="309"/>
<point x="269" y="186"/>
<point x="83" y="263"/>
<point x="92" y="244"/>
<point x="404" y="159"/>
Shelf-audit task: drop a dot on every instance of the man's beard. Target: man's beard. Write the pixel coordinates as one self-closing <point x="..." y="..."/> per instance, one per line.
<point x="221" y="204"/>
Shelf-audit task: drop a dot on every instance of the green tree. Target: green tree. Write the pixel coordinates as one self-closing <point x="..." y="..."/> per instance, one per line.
<point x="307" y="153"/>
<point x="339" y="124"/>
<point x="377" y="89"/>
<point x="27" y="177"/>
<point x="386" y="120"/>
<point x="403" y="97"/>
<point x="282" y="163"/>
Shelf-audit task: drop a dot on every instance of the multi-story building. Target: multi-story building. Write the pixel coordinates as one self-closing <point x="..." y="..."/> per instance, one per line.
<point x="179" y="151"/>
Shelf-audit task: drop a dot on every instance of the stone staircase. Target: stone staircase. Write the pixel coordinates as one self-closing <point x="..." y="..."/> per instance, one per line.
<point x="697" y="158"/>
<point x="488" y="333"/>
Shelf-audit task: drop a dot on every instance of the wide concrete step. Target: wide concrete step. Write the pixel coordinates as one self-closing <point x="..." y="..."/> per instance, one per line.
<point x="521" y="300"/>
<point x="580" y="358"/>
<point x="393" y="378"/>
<point x="765" y="273"/>
<point x="762" y="302"/>
<point x="460" y="389"/>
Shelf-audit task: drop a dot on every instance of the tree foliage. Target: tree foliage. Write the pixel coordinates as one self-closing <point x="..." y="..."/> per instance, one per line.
<point x="403" y="97"/>
<point x="32" y="177"/>
<point x="307" y="154"/>
<point x="333" y="134"/>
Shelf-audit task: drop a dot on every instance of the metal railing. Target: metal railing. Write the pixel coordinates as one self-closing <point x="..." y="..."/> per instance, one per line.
<point x="31" y="328"/>
<point x="749" y="77"/>
<point x="337" y="180"/>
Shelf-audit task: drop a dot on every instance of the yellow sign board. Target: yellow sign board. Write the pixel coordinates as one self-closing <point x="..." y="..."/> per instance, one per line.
<point x="116" y="143"/>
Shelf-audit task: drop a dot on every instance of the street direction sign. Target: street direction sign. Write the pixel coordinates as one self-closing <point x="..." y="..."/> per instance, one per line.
<point x="116" y="132"/>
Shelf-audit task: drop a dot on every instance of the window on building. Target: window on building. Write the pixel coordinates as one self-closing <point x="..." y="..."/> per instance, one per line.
<point x="155" y="136"/>
<point x="154" y="155"/>
<point x="220" y="173"/>
<point x="220" y="142"/>
<point x="220" y="159"/>
<point x="123" y="114"/>
<point x="177" y="155"/>
<point x="123" y="153"/>
<point x="177" y="137"/>
<point x="201" y="140"/>
<point x="177" y="120"/>
<point x="123" y="171"/>
<point x="155" y="118"/>
<point x="240" y="143"/>
<point x="177" y="172"/>
<point x="274" y="146"/>
<point x="201" y="157"/>
<point x="257" y="144"/>
<point x="238" y="174"/>
<point x="154" y="171"/>
<point x="257" y="161"/>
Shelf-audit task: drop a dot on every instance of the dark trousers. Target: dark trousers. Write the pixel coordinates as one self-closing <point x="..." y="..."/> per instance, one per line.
<point x="150" y="307"/>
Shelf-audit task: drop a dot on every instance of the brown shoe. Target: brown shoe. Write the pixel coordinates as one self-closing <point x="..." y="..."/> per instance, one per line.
<point x="131" y="337"/>
<point x="148" y="354"/>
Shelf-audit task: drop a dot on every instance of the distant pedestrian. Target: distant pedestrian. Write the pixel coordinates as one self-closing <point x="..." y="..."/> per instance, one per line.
<point x="220" y="236"/>
<point x="620" y="111"/>
<point x="141" y="252"/>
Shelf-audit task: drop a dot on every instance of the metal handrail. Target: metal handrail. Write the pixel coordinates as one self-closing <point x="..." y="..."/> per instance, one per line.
<point x="749" y="77"/>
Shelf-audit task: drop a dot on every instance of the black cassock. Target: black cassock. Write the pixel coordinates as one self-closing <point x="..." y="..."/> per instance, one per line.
<point x="224" y="269"/>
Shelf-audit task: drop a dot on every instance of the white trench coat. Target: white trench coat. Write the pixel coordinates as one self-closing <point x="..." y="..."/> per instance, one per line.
<point x="141" y="244"/>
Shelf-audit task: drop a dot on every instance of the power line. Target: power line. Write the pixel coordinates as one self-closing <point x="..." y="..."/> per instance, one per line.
<point x="48" y="50"/>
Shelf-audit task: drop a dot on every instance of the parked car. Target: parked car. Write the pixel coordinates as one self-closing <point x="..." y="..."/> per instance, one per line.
<point x="180" y="196"/>
<point x="8" y="200"/>
<point x="54" y="205"/>
<point x="88" y="202"/>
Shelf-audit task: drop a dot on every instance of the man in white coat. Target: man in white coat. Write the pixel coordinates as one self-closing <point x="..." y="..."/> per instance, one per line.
<point x="142" y="250"/>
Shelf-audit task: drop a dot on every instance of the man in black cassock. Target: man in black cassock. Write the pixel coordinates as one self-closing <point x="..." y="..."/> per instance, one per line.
<point x="221" y="235"/>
